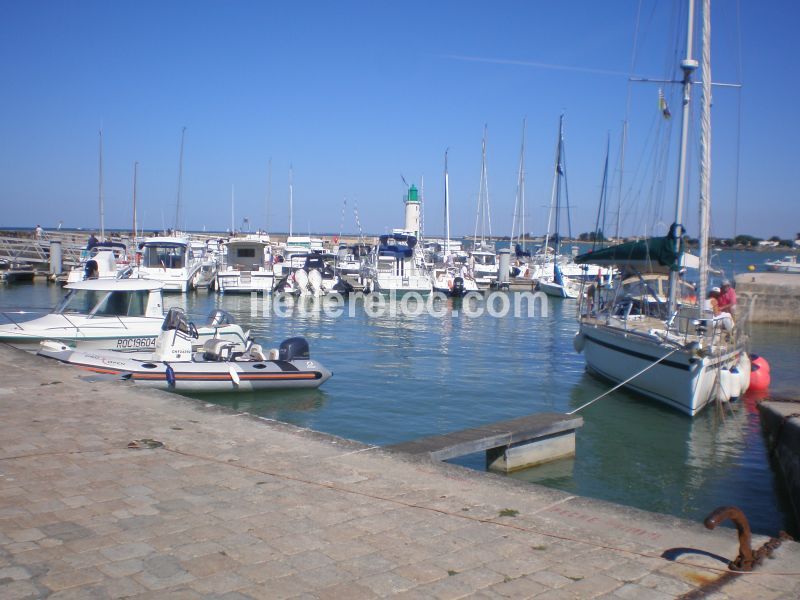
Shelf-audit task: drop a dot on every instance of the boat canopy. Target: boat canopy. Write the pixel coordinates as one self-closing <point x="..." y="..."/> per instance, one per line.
<point x="397" y="244"/>
<point x="164" y="241"/>
<point x="651" y="255"/>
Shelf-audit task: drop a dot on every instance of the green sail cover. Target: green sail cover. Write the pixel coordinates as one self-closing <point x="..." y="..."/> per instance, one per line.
<point x="649" y="255"/>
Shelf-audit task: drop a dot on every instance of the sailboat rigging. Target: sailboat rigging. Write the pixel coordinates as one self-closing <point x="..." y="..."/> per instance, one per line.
<point x="628" y="330"/>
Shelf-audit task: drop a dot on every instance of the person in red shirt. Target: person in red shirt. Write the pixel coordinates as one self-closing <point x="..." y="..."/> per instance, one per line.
<point x="727" y="298"/>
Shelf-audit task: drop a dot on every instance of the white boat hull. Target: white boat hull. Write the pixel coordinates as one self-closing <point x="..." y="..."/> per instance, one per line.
<point x="556" y="290"/>
<point x="684" y="381"/>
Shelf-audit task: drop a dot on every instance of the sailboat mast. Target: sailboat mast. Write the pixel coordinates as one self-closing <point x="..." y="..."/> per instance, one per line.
<point x="553" y="191"/>
<point x="291" y="199"/>
<point x="688" y="65"/>
<point x="233" y="220"/>
<point x="135" y="173"/>
<point x="600" y="223"/>
<point x="484" y="215"/>
<point x="100" y="191"/>
<point x="269" y="191"/>
<point x="446" y="207"/>
<point x="705" y="151"/>
<point x="559" y="175"/>
<point x="518" y="219"/>
<point x="180" y="183"/>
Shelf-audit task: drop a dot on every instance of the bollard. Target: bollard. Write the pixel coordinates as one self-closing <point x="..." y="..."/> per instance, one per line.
<point x="505" y="266"/>
<point x="56" y="267"/>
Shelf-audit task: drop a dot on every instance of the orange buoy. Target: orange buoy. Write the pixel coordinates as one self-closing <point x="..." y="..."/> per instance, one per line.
<point x="759" y="376"/>
<point x="762" y="363"/>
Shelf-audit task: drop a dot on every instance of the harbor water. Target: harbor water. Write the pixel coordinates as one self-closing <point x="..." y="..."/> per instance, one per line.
<point x="399" y="377"/>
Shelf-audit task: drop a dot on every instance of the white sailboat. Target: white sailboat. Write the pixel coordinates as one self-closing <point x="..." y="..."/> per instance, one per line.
<point x="553" y="282"/>
<point x="482" y="257"/>
<point x="453" y="279"/>
<point x="648" y="331"/>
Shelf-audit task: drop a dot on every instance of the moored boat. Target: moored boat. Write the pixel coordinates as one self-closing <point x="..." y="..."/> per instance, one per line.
<point x="122" y="314"/>
<point x="217" y="366"/>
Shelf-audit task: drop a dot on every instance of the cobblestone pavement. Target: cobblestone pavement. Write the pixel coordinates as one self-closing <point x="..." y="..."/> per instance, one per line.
<point x="233" y="507"/>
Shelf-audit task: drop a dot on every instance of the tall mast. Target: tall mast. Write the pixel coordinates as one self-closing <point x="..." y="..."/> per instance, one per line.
<point x="180" y="183"/>
<point x="705" y="151"/>
<point x="519" y="204"/>
<point x="484" y="216"/>
<point x="269" y="191"/>
<point x="688" y="65"/>
<point x="291" y="199"/>
<point x="135" y="172"/>
<point x="446" y="206"/>
<point x="100" y="191"/>
<point x="559" y="179"/>
<point x="623" y="143"/>
<point x="422" y="207"/>
<point x="233" y="220"/>
<point x="554" y="192"/>
<point x="600" y="223"/>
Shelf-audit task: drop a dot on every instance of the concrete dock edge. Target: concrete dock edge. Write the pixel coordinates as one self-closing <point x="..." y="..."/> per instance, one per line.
<point x="781" y="423"/>
<point x="211" y="503"/>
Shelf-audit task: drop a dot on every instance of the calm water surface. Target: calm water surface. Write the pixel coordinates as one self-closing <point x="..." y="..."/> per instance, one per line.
<point x="397" y="378"/>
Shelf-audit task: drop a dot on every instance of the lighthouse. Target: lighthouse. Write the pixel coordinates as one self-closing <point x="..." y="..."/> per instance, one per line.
<point x="412" y="211"/>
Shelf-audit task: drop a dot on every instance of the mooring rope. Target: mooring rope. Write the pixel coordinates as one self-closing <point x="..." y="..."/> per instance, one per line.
<point x="629" y="379"/>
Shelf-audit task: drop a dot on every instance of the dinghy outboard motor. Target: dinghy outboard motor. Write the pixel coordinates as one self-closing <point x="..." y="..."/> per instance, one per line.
<point x="458" y="286"/>
<point x="343" y="287"/>
<point x="91" y="270"/>
<point x="295" y="348"/>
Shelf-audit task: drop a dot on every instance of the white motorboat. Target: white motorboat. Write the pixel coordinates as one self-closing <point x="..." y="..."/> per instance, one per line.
<point x="120" y="314"/>
<point x="787" y="264"/>
<point x="311" y="275"/>
<point x="397" y="265"/>
<point x="247" y="267"/>
<point x="657" y="340"/>
<point x="349" y="259"/>
<point x="171" y="261"/>
<point x="104" y="260"/>
<point x="483" y="266"/>
<point x="217" y="367"/>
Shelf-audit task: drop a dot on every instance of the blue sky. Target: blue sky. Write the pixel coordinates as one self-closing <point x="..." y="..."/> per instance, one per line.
<point x="356" y="94"/>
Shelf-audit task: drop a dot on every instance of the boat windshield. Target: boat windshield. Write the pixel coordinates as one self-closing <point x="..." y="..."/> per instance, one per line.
<point x="484" y="259"/>
<point x="164" y="256"/>
<point x="104" y="303"/>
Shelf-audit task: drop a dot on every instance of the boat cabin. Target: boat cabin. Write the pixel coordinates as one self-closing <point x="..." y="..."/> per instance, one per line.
<point x="247" y="255"/>
<point x="165" y="253"/>
<point x="112" y="298"/>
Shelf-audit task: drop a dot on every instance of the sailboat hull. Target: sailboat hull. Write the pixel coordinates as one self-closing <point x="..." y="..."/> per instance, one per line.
<point x="558" y="291"/>
<point x="684" y="381"/>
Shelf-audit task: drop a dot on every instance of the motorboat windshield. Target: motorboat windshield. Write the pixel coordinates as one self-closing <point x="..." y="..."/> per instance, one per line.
<point x="104" y="303"/>
<point x="164" y="255"/>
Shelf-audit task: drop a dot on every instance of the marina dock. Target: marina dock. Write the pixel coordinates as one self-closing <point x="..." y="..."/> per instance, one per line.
<point x="111" y="491"/>
<point x="775" y="297"/>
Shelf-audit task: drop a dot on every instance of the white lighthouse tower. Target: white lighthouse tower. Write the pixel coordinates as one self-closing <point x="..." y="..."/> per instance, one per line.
<point x="412" y="212"/>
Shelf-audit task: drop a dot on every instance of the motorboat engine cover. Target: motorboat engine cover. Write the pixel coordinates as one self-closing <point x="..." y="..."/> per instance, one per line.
<point x="293" y="349"/>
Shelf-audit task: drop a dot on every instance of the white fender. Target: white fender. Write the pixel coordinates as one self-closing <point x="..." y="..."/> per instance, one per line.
<point x="234" y="375"/>
<point x="578" y="342"/>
